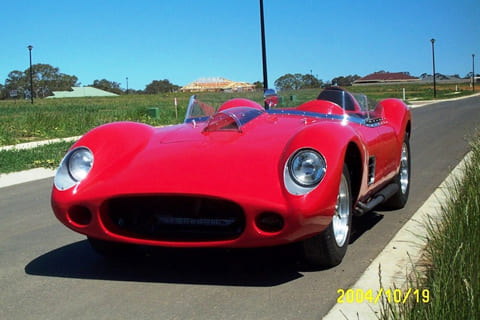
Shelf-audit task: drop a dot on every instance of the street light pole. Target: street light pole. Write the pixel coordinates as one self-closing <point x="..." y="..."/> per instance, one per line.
<point x="433" y="57"/>
<point x="127" y="85"/>
<point x="30" y="47"/>
<point x="264" y="53"/>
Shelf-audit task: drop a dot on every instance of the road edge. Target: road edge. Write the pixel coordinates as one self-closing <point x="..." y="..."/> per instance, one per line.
<point x="34" y="144"/>
<point x="14" y="178"/>
<point x="398" y="257"/>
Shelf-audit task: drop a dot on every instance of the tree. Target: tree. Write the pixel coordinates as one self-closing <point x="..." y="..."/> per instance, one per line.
<point x="17" y="80"/>
<point x="469" y="75"/>
<point x="45" y="80"/>
<point x="110" y="86"/>
<point x="289" y="82"/>
<point x="297" y="81"/>
<point x="345" y="81"/>
<point x="258" y="85"/>
<point x="160" y="86"/>
<point x="440" y="76"/>
<point x="424" y="76"/>
<point x="48" y="79"/>
<point x="309" y="81"/>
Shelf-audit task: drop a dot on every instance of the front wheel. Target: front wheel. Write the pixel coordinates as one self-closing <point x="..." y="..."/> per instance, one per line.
<point x="399" y="199"/>
<point x="328" y="248"/>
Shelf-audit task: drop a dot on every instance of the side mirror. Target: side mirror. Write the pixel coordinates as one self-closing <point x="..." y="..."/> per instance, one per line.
<point x="270" y="97"/>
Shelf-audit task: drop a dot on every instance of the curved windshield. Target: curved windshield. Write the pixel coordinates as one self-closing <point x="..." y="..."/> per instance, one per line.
<point x="366" y="103"/>
<point x="198" y="110"/>
<point x="338" y="96"/>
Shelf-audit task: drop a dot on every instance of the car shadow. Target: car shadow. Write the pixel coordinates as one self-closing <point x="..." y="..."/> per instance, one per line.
<point x="264" y="267"/>
<point x="361" y="224"/>
<point x="258" y="267"/>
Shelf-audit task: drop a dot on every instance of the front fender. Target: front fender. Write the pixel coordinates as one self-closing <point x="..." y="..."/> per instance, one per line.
<point x="331" y="140"/>
<point x="113" y="146"/>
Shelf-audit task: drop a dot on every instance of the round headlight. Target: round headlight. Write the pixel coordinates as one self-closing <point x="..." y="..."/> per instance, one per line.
<point x="307" y="167"/>
<point x="79" y="163"/>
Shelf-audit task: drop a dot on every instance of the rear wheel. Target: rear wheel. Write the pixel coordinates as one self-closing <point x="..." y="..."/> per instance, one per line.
<point x="328" y="248"/>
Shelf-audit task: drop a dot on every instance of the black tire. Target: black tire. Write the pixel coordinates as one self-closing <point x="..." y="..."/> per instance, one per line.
<point x="323" y="249"/>
<point x="399" y="199"/>
<point x="111" y="249"/>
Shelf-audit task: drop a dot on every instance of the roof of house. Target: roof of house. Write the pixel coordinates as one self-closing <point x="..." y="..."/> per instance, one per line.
<point x="78" y="92"/>
<point x="386" y="77"/>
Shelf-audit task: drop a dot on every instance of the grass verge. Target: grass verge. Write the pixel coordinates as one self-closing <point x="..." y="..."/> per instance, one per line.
<point x="449" y="272"/>
<point x="21" y="121"/>
<point x="47" y="156"/>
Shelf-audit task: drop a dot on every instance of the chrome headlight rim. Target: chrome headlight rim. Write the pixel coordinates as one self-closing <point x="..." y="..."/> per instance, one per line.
<point x="78" y="158"/>
<point x="64" y="179"/>
<point x="290" y="184"/>
<point x="315" y="159"/>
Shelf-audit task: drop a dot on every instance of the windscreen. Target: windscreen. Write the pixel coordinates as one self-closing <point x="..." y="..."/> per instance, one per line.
<point x="340" y="97"/>
<point x="198" y="110"/>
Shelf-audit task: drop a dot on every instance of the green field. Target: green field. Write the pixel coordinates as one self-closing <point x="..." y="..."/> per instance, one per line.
<point x="46" y="156"/>
<point x="21" y="121"/>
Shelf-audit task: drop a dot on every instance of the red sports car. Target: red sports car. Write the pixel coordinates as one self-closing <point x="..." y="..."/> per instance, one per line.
<point x="244" y="175"/>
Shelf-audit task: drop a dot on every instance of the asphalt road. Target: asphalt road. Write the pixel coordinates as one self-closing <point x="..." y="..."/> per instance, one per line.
<point x="50" y="272"/>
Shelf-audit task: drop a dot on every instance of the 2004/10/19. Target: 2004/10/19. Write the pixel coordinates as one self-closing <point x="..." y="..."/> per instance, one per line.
<point x="396" y="296"/>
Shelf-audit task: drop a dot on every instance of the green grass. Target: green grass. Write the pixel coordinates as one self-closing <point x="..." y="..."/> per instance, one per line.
<point x="21" y="121"/>
<point x="58" y="118"/>
<point x="47" y="156"/>
<point x="413" y="91"/>
<point x="452" y="256"/>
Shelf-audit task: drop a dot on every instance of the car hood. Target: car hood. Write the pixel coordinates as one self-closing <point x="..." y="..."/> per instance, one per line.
<point x="188" y="159"/>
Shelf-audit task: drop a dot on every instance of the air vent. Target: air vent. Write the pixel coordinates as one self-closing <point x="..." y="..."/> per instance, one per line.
<point x="371" y="170"/>
<point x="174" y="218"/>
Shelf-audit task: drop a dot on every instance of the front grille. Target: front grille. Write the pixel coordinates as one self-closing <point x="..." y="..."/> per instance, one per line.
<point x="174" y="218"/>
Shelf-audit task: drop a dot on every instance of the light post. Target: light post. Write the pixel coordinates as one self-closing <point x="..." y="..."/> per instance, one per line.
<point x="127" y="85"/>
<point x="264" y="53"/>
<point x="30" y="47"/>
<point x="473" y="72"/>
<point x="433" y="57"/>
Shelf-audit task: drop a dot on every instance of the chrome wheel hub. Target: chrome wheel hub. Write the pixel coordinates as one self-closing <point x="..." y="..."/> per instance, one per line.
<point x="342" y="213"/>
<point x="404" y="169"/>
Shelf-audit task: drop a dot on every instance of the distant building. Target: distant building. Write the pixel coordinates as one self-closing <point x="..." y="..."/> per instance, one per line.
<point x="386" y="77"/>
<point x="217" y="84"/>
<point x="79" y="92"/>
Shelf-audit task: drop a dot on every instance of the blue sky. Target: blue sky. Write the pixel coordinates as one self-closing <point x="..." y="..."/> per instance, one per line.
<point x="184" y="40"/>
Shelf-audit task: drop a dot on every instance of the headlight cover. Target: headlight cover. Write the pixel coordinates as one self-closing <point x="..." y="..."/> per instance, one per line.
<point x="79" y="163"/>
<point x="304" y="171"/>
<point x="74" y="168"/>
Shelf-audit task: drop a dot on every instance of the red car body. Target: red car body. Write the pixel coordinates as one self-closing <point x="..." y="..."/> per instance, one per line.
<point x="221" y="180"/>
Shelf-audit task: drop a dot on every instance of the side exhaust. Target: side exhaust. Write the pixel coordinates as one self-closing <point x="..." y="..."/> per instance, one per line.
<point x="382" y="196"/>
